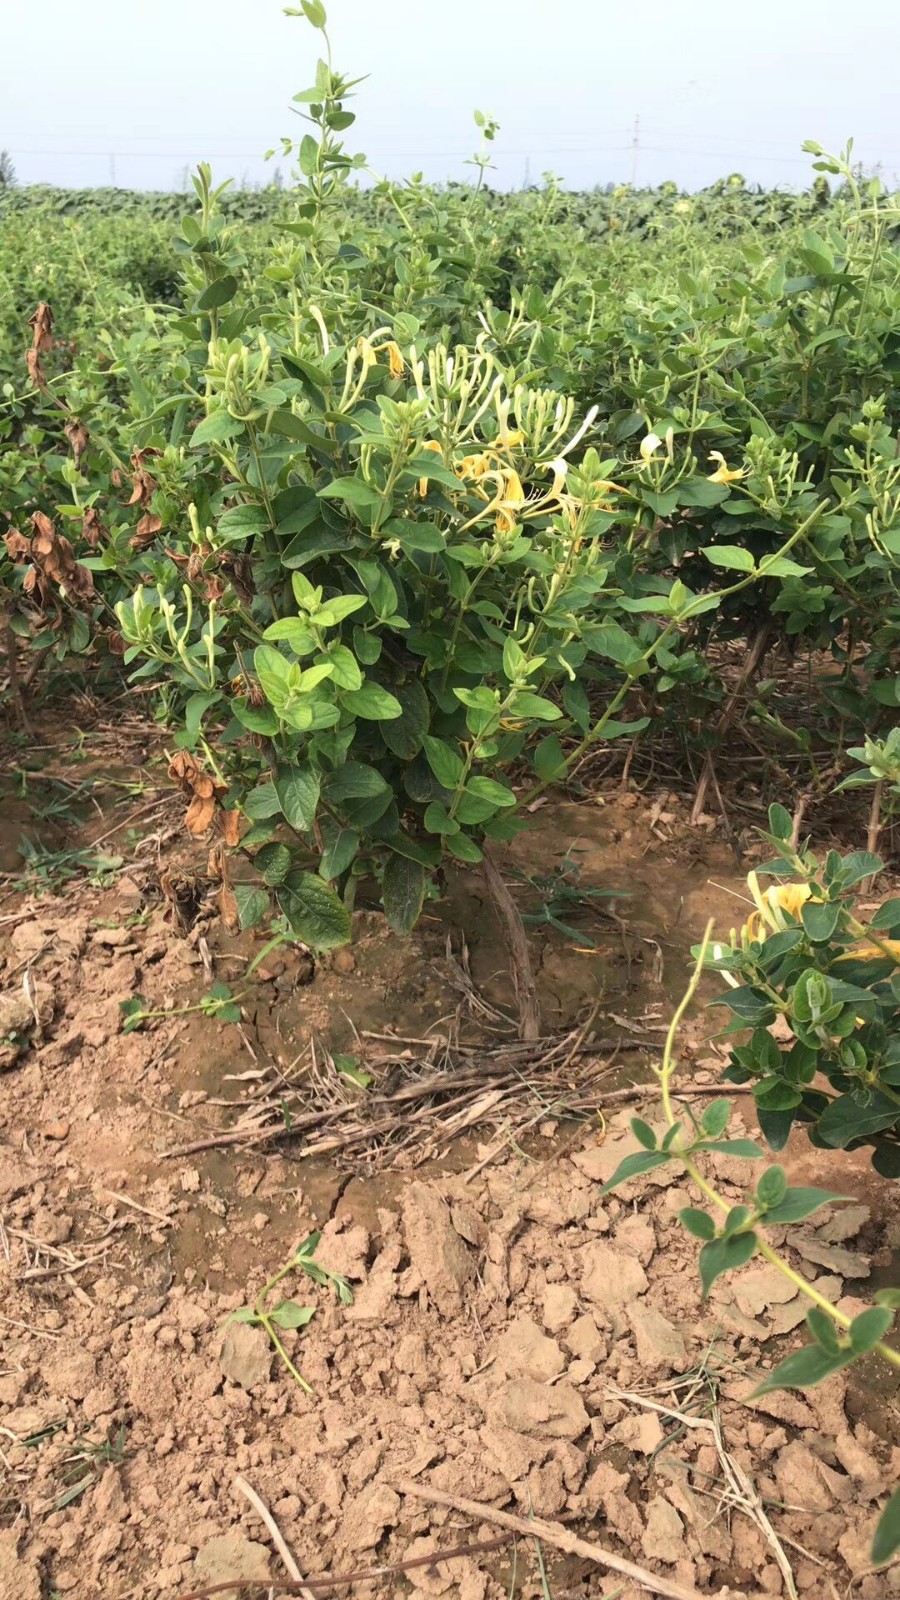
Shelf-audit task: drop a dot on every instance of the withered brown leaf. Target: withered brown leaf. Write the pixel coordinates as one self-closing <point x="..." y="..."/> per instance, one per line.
<point x="202" y="789"/>
<point x="228" y="909"/>
<point x="54" y="559"/>
<point x="42" y="323"/>
<point x="146" y="531"/>
<point x="78" y="437"/>
<point x="93" y="528"/>
<point x="18" y="547"/>
<point x="231" y="828"/>
<point x="42" y="339"/>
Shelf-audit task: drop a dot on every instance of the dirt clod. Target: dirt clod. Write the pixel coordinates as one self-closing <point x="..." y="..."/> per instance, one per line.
<point x="436" y="1251"/>
<point x="230" y="1555"/>
<point x="246" y="1355"/>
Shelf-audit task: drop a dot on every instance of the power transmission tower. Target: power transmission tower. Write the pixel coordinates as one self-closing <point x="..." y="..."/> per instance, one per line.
<point x="635" y="150"/>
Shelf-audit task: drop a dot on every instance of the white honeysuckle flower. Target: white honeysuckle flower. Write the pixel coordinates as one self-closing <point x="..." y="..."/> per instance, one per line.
<point x="577" y="437"/>
<point x="649" y="446"/>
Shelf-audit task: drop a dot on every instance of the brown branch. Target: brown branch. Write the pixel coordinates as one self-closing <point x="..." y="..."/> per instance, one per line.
<point x="520" y="958"/>
<point x="555" y="1534"/>
<point x="754" y="660"/>
<point x="340" y="1579"/>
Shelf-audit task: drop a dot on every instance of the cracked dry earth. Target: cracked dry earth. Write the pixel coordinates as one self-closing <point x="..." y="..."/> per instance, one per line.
<point x="511" y="1339"/>
<point x="514" y="1338"/>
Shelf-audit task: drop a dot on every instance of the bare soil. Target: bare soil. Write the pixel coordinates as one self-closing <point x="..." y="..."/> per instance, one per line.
<point x="514" y="1339"/>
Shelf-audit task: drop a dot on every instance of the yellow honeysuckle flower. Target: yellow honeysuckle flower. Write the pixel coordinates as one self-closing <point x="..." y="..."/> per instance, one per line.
<point x="476" y="466"/>
<point x="429" y="444"/>
<point x="723" y="473"/>
<point x="774" y="906"/>
<point x="395" y="359"/>
<point x="510" y="438"/>
<point x="874" y="952"/>
<point x="510" y="498"/>
<point x="560" y="468"/>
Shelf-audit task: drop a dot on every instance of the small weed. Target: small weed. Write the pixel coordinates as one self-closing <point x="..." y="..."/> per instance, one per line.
<point x="289" y="1313"/>
<point x="560" y="893"/>
<point x="219" y="1003"/>
<point x="82" y="1467"/>
<point x="304" y="1259"/>
<point x="349" y="1067"/>
<point x="48" y="871"/>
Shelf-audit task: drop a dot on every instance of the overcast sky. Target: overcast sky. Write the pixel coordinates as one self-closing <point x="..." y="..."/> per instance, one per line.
<point x="94" y="91"/>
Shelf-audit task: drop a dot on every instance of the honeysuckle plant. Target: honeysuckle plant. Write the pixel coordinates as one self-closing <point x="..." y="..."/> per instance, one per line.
<point x="807" y="957"/>
<point x="381" y="574"/>
<point x="731" y="1235"/>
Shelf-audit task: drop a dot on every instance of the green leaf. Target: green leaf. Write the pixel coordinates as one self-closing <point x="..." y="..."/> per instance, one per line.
<point x="341" y="846"/>
<point x="633" y="1166"/>
<point x="444" y="762"/>
<point x="772" y="1187"/>
<point x="252" y="905"/>
<point x="242" y="522"/>
<point x="817" y="255"/>
<point x="747" y="1149"/>
<point x="215" y="429"/>
<point x="488" y="789"/>
<point x="823" y="1330"/>
<point x="314" y="911"/>
<point x="430" y="466"/>
<point x="345" y="669"/>
<point x="353" y="491"/>
<point x="463" y="848"/>
<point x="797" y="1204"/>
<point x="333" y="611"/>
<point x="844" y="1119"/>
<point x="438" y="820"/>
<point x="354" y="781"/>
<point x="526" y="704"/>
<point x="288" y="426"/>
<point x="217" y="294"/>
<point x="644" y="1133"/>
<point x="869" y="1327"/>
<point x="296" y="633"/>
<point x="888" y="1297"/>
<point x="262" y="802"/>
<point x="715" y="1118"/>
<point x="701" y="492"/>
<point x="372" y="703"/>
<point x="404" y="736"/>
<point x="289" y="1314"/>
<point x="403" y="890"/>
<point x="886" y="1542"/>
<point x="195" y="710"/>
<point x="699" y="1223"/>
<point x="887" y="917"/>
<point x="820" y="919"/>
<point x="803" y="1369"/>
<point x="733" y="557"/>
<point x="272" y="670"/>
<point x="314" y="12"/>
<point x="549" y="759"/>
<point x="857" y="865"/>
<point x="297" y="789"/>
<point x="721" y="1255"/>
<point x="782" y="567"/>
<point x="273" y="863"/>
<point x="781" y="824"/>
